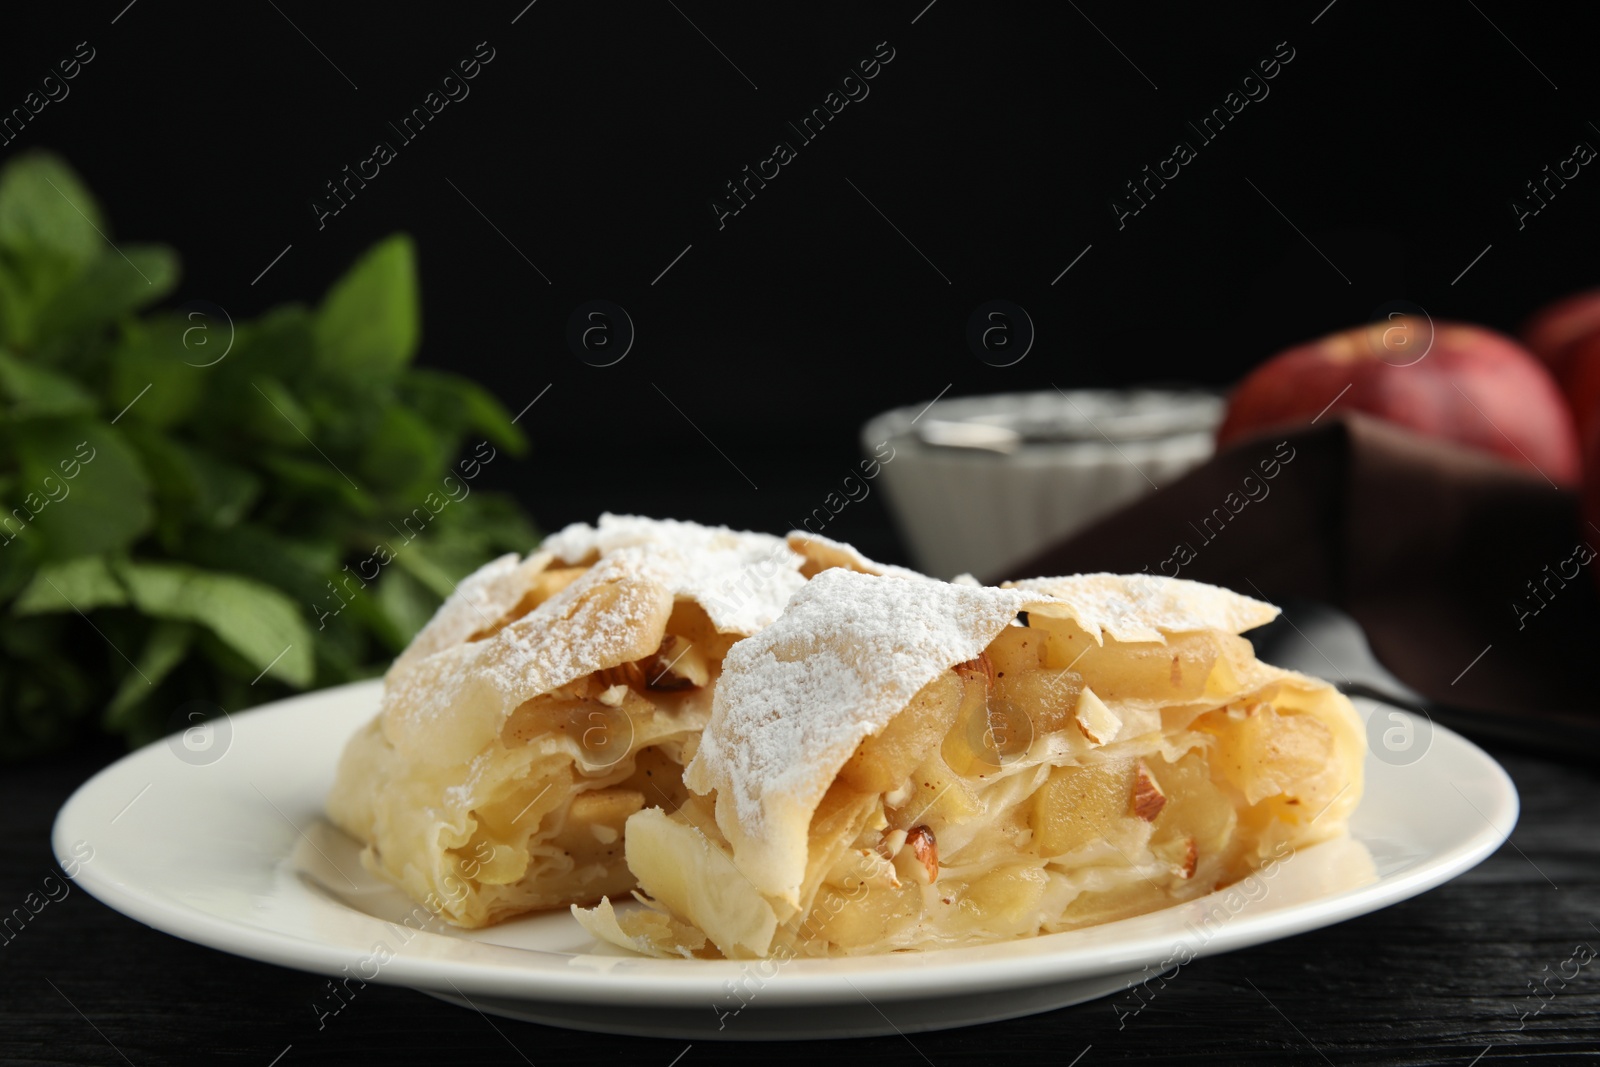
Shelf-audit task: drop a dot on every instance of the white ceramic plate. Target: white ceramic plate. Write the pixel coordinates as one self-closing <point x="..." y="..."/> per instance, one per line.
<point x="217" y="837"/>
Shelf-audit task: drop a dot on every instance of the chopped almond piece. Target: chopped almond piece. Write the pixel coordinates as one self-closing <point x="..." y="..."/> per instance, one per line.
<point x="623" y="674"/>
<point x="926" y="848"/>
<point x="1148" y="799"/>
<point x="982" y="665"/>
<point x="860" y="867"/>
<point x="1191" y="859"/>
<point x="1098" y="722"/>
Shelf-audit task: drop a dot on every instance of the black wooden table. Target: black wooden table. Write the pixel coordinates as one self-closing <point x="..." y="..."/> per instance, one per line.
<point x="1443" y="978"/>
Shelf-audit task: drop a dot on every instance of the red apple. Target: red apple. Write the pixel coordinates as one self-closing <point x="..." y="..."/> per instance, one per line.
<point x="1453" y="381"/>
<point x="1554" y="330"/>
<point x="1581" y="382"/>
<point x="1591" y="502"/>
<point x="1589" y="532"/>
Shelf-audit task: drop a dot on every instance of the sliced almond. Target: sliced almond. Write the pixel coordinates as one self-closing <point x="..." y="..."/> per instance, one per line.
<point x="621" y="674"/>
<point x="1098" y="722"/>
<point x="1148" y="799"/>
<point x="982" y="666"/>
<point x="861" y="866"/>
<point x="926" y="848"/>
<point x="1191" y="859"/>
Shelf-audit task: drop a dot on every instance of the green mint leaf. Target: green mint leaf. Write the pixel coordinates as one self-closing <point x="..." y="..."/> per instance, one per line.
<point x="149" y="379"/>
<point x="80" y="486"/>
<point x="254" y="620"/>
<point x="368" y="326"/>
<point x="74" y="585"/>
<point x="111" y="286"/>
<point x="33" y="391"/>
<point x="45" y="209"/>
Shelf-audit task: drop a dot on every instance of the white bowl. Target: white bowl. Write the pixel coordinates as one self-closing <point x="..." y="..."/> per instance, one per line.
<point x="979" y="484"/>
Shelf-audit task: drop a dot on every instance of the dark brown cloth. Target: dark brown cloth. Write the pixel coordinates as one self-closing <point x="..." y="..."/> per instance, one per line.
<point x="1471" y="576"/>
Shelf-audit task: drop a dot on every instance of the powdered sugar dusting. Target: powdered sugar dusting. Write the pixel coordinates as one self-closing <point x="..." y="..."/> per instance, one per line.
<point x="741" y="579"/>
<point x="451" y="704"/>
<point x="447" y="696"/>
<point x="478" y="601"/>
<point x="1145" y="607"/>
<point x="849" y="652"/>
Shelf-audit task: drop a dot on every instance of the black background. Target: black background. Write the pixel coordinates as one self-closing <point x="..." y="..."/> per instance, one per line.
<point x="1381" y="165"/>
<point x="1394" y="143"/>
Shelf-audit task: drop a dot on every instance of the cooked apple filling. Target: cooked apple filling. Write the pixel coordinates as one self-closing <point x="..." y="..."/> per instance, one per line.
<point x="1115" y="749"/>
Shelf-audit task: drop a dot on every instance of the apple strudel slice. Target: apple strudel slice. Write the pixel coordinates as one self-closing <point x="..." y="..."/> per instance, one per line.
<point x="912" y="764"/>
<point x="547" y="700"/>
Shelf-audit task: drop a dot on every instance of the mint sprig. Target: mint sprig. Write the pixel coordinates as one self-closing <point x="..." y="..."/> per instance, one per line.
<point x="219" y="541"/>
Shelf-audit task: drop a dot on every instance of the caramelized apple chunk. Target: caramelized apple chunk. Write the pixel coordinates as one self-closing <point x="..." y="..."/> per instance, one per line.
<point x="1197" y="810"/>
<point x="938" y="795"/>
<point x="1079" y="805"/>
<point x="989" y="731"/>
<point x="1004" y="902"/>
<point x="1016" y="649"/>
<point x="1265" y="753"/>
<point x="1048" y="698"/>
<point x="863" y="915"/>
<point x="1171" y="672"/>
<point x="883" y="762"/>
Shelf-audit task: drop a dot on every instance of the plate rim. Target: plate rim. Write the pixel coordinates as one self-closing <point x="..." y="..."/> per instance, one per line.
<point x="891" y="977"/>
